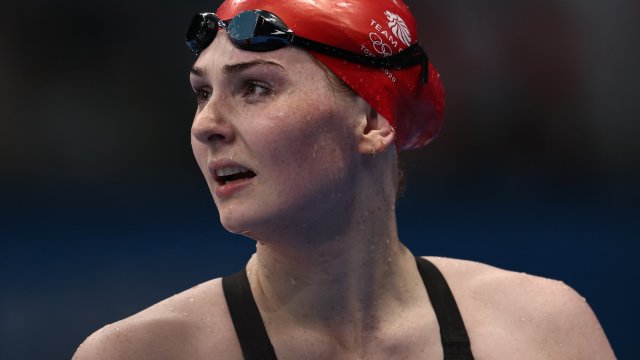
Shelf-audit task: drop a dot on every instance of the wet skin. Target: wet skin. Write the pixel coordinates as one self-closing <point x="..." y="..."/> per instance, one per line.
<point x="268" y="113"/>
<point x="330" y="276"/>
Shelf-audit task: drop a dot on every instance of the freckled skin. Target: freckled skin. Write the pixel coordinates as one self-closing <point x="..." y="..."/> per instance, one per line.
<point x="296" y="146"/>
<point x="330" y="276"/>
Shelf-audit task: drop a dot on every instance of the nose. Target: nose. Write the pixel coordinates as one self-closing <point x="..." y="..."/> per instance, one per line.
<point x="210" y="125"/>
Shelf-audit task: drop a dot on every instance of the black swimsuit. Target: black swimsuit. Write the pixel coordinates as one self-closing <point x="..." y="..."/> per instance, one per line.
<point x="255" y="342"/>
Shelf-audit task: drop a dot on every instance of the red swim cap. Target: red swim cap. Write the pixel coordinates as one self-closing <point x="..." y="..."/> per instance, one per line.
<point x="378" y="28"/>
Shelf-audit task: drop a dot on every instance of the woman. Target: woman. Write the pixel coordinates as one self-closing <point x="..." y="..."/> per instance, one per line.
<point x="302" y="108"/>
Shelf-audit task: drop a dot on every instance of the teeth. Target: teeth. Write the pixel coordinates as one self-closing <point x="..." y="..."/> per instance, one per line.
<point x="230" y="171"/>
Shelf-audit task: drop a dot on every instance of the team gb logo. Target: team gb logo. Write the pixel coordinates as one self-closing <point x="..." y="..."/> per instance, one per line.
<point x="399" y="27"/>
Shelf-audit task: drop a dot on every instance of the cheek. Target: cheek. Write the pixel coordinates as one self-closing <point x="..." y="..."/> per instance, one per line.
<point x="310" y="143"/>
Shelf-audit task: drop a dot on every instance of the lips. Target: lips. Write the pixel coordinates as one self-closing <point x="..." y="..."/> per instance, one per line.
<point x="230" y="177"/>
<point x="235" y="173"/>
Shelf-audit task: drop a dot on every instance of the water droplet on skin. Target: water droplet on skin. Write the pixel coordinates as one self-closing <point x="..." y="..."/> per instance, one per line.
<point x="522" y="319"/>
<point x="192" y="300"/>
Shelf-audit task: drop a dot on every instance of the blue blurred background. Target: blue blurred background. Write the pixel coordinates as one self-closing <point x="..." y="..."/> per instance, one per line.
<point x="103" y="211"/>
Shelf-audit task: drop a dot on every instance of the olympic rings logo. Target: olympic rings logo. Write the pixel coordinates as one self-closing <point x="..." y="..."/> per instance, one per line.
<point x="379" y="46"/>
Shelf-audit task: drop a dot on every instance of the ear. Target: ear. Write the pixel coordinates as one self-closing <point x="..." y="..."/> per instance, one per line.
<point x="377" y="135"/>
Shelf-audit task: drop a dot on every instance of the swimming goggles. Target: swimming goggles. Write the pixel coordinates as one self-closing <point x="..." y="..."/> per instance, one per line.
<point x="261" y="30"/>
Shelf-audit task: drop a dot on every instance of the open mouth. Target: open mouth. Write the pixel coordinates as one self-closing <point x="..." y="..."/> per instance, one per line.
<point x="230" y="174"/>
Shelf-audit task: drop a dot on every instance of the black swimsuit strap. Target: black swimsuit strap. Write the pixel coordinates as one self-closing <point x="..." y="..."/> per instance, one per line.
<point x="255" y="342"/>
<point x="246" y="318"/>
<point x="455" y="340"/>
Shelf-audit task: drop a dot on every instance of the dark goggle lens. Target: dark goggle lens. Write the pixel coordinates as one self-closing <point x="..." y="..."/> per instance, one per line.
<point x="242" y="27"/>
<point x="253" y="30"/>
<point x="258" y="31"/>
<point x="202" y="31"/>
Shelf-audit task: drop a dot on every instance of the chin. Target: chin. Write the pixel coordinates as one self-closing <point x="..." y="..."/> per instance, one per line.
<point x="233" y="225"/>
<point x="237" y="223"/>
<point x="248" y="224"/>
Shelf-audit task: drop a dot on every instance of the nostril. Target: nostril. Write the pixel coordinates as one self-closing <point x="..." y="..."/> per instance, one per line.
<point x="216" y="137"/>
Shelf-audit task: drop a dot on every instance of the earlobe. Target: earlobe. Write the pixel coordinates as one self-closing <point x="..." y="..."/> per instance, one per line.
<point x="377" y="135"/>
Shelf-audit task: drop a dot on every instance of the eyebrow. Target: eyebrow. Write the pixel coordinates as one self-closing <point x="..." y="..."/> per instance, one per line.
<point x="198" y="71"/>
<point x="235" y="68"/>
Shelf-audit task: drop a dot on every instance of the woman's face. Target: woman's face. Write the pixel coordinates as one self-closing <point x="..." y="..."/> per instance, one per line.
<point x="274" y="140"/>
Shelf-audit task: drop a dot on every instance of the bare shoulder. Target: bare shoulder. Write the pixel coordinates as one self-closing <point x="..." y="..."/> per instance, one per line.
<point x="193" y="324"/>
<point x="556" y="320"/>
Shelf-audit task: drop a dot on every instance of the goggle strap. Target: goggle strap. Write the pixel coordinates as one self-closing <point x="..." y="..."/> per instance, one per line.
<point x="414" y="55"/>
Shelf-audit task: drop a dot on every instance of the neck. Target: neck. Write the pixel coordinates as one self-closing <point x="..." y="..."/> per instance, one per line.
<point x="344" y="274"/>
<point x="344" y="283"/>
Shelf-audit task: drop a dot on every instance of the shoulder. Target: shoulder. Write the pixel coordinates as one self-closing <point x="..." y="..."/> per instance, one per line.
<point x="192" y="324"/>
<point x="553" y="317"/>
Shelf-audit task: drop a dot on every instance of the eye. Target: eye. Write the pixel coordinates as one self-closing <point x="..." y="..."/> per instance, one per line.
<point x="253" y="88"/>
<point x="202" y="96"/>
